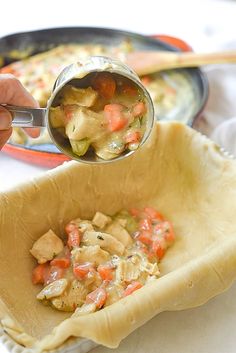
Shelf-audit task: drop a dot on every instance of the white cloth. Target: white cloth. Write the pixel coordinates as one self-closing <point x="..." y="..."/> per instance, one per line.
<point x="221" y="105"/>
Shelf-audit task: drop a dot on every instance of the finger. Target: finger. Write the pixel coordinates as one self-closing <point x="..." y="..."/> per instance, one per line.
<point x="13" y="92"/>
<point x="5" y="119"/>
<point x="5" y="126"/>
<point x="4" y="136"/>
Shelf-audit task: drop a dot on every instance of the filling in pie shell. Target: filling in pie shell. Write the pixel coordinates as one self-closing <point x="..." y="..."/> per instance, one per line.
<point x="177" y="171"/>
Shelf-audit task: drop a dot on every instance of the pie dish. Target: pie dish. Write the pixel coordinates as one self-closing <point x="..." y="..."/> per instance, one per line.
<point x="185" y="173"/>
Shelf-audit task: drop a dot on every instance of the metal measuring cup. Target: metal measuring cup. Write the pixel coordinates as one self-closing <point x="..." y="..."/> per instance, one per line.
<point x="40" y="117"/>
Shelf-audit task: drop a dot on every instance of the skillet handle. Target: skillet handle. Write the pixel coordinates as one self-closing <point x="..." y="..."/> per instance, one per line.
<point x="26" y="116"/>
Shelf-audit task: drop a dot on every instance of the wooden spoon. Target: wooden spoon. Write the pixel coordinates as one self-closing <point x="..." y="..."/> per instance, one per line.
<point x="148" y="62"/>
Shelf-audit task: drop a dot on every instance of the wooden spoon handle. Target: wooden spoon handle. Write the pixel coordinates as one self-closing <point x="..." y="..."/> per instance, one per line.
<point x="149" y="62"/>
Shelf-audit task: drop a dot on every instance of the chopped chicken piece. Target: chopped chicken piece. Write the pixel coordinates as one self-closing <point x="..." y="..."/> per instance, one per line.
<point x="57" y="117"/>
<point x="92" y="281"/>
<point x="115" y="260"/>
<point x="142" y="278"/>
<point x="47" y="247"/>
<point x="140" y="258"/>
<point x="122" y="221"/>
<point x="150" y="279"/>
<point x="73" y="297"/>
<point x="100" y="220"/>
<point x="114" y="293"/>
<point x="103" y="152"/>
<point x="54" y="289"/>
<point x="92" y="254"/>
<point x="127" y="221"/>
<point x="120" y="233"/>
<point x="127" y="271"/>
<point x="84" y="123"/>
<point x="82" y="225"/>
<point x="151" y="269"/>
<point x="85" y="309"/>
<point x="84" y="97"/>
<point x="85" y="226"/>
<point x="105" y="241"/>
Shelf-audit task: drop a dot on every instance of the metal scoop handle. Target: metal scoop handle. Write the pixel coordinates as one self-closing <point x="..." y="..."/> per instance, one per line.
<point x="26" y="116"/>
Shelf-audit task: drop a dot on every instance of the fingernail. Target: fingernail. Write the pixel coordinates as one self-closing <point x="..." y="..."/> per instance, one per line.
<point x="5" y="120"/>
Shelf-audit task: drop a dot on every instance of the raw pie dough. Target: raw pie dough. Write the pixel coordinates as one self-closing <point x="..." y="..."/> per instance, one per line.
<point x="182" y="174"/>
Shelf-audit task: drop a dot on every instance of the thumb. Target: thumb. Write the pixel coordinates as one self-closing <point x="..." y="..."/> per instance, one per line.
<point x="5" y="119"/>
<point x="4" y="136"/>
<point x="12" y="92"/>
<point x="5" y="126"/>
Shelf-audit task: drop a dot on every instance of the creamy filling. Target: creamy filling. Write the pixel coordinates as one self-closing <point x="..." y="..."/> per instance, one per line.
<point x="102" y="261"/>
<point x="107" y="116"/>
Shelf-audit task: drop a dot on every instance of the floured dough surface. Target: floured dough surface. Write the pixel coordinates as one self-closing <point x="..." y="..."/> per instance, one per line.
<point x="178" y="172"/>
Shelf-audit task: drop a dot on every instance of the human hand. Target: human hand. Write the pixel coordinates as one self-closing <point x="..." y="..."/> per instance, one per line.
<point x="12" y="92"/>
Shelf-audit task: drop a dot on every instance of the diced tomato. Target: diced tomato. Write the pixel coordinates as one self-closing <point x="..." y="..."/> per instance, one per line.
<point x="68" y="113"/>
<point x="54" y="274"/>
<point x="164" y="229"/>
<point x="132" y="137"/>
<point x="169" y="232"/>
<point x="157" y="249"/>
<point x="70" y="227"/>
<point x="98" y="296"/>
<point x="129" y="90"/>
<point x="146" y="80"/>
<point x="9" y="70"/>
<point x="145" y="237"/>
<point x="145" y="224"/>
<point x="67" y="252"/>
<point x="74" y="238"/>
<point x="158" y="229"/>
<point x="135" y="212"/>
<point x="115" y="117"/>
<point x="39" y="273"/>
<point x="144" y="249"/>
<point x="139" y="109"/>
<point x="138" y="213"/>
<point x="104" y="84"/>
<point x="151" y="256"/>
<point x="106" y="272"/>
<point x="133" y="286"/>
<point x="81" y="270"/>
<point x="153" y="214"/>
<point x="62" y="262"/>
<point x="116" y="122"/>
<point x="105" y="283"/>
<point x="169" y="237"/>
<point x="114" y="107"/>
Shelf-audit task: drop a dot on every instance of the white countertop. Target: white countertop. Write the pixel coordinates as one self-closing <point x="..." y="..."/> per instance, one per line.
<point x="205" y="25"/>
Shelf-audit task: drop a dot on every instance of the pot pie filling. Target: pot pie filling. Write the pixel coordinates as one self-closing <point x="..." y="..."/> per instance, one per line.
<point x="106" y="116"/>
<point x="168" y="89"/>
<point x="102" y="261"/>
<point x="38" y="73"/>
